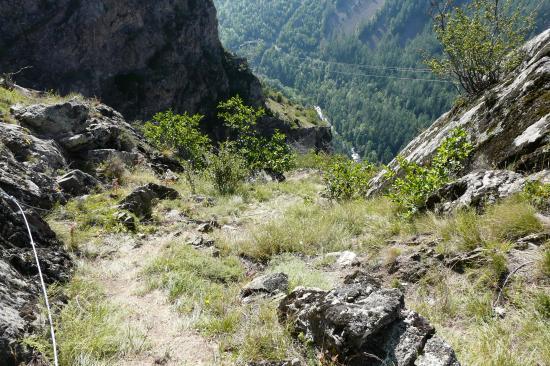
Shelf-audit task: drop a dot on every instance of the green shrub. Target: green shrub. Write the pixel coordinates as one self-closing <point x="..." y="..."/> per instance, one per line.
<point x="412" y="190"/>
<point x="346" y="179"/>
<point x="269" y="153"/>
<point x="480" y="41"/>
<point x="227" y="169"/>
<point x="181" y="134"/>
<point x="538" y="194"/>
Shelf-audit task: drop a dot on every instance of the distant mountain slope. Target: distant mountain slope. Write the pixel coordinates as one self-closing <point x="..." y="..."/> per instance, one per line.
<point x="375" y="108"/>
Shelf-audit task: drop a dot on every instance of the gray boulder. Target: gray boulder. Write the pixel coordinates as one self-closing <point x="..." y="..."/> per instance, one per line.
<point x="43" y="156"/>
<point x="269" y="284"/>
<point x="25" y="180"/>
<point x="360" y="323"/>
<point x="77" y="183"/>
<point x="437" y="353"/>
<point x="78" y="125"/>
<point x="140" y="201"/>
<point x="480" y="188"/>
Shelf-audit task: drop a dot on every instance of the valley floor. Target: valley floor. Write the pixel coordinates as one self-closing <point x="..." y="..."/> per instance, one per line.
<point x="169" y="294"/>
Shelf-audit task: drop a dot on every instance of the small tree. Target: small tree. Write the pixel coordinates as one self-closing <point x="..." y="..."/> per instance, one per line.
<point x="411" y="191"/>
<point x="227" y="170"/>
<point x="480" y="41"/>
<point x="180" y="134"/>
<point x="346" y="179"/>
<point x="269" y="153"/>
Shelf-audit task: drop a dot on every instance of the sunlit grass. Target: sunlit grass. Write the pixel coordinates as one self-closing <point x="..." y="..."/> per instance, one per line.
<point x="89" y="329"/>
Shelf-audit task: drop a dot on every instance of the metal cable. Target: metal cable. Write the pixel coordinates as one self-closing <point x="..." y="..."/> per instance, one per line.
<point x="43" y="284"/>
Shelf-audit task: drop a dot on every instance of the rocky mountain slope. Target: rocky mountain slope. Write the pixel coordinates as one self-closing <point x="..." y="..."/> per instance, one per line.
<point x="140" y="57"/>
<point x="148" y="271"/>
<point x="40" y="154"/>
<point x="509" y="127"/>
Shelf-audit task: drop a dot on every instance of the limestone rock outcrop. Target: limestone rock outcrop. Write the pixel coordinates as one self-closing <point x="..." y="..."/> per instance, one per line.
<point x="480" y="188"/>
<point x="363" y="324"/>
<point x="34" y="159"/>
<point x="27" y="166"/>
<point x="509" y="127"/>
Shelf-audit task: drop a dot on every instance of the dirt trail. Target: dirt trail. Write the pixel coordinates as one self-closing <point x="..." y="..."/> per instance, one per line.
<point x="168" y="340"/>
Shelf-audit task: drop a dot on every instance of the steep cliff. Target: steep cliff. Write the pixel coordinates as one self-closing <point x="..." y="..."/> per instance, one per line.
<point x="137" y="56"/>
<point x="509" y="127"/>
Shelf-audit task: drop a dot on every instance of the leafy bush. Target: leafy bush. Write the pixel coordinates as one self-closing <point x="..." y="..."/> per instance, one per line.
<point x="346" y="179"/>
<point x="480" y="41"/>
<point x="114" y="170"/>
<point x="538" y="194"/>
<point x="268" y="153"/>
<point x="419" y="182"/>
<point x="179" y="133"/>
<point x="227" y="169"/>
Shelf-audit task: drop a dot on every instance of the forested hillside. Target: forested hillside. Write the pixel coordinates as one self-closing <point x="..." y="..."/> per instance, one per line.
<point x="371" y="81"/>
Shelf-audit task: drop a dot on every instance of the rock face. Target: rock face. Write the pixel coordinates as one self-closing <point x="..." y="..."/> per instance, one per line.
<point x="269" y="284"/>
<point x="19" y="284"/>
<point x="79" y="127"/>
<point x="509" y="127"/>
<point x="53" y="136"/>
<point x="34" y="157"/>
<point x="27" y="166"/>
<point x="481" y="187"/>
<point x="77" y="183"/>
<point x="364" y="324"/>
<point x="139" y="56"/>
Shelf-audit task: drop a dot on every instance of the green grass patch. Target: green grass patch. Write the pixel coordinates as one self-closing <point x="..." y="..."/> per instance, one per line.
<point x="461" y="307"/>
<point x="84" y="219"/>
<point x="300" y="273"/>
<point x="89" y="329"/>
<point x="305" y="228"/>
<point x="466" y="229"/>
<point x="199" y="283"/>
